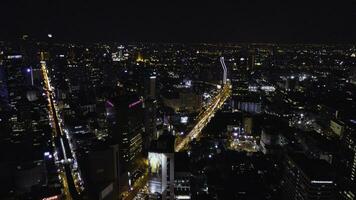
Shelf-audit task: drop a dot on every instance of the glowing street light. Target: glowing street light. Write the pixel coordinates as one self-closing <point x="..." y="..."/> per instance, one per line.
<point x="29" y="70"/>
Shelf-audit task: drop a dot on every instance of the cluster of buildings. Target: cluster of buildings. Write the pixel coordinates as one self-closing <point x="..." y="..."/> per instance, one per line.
<point x="286" y="132"/>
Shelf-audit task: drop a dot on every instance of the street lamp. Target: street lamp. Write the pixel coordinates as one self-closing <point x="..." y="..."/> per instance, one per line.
<point x="30" y="70"/>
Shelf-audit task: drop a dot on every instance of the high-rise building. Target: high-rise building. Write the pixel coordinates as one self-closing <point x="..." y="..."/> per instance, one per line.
<point x="307" y="179"/>
<point x="348" y="162"/>
<point x="182" y="176"/>
<point x="161" y="168"/>
<point x="152" y="87"/>
<point x="100" y="169"/>
<point x="125" y="114"/>
<point x="150" y="111"/>
<point x="150" y="122"/>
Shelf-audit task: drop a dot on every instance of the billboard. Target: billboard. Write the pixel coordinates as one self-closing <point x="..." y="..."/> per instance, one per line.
<point x="155" y="172"/>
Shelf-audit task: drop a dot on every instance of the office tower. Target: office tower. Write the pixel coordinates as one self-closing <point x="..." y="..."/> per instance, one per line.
<point x="150" y="111"/>
<point x="161" y="168"/>
<point x="150" y="85"/>
<point x="307" y="179"/>
<point x="182" y="176"/>
<point x="150" y="122"/>
<point x="125" y="115"/>
<point x="100" y="168"/>
<point x="152" y="90"/>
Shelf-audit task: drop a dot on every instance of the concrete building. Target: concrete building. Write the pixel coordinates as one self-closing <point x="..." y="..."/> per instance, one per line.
<point x="101" y="171"/>
<point x="307" y="179"/>
<point x="161" y="168"/>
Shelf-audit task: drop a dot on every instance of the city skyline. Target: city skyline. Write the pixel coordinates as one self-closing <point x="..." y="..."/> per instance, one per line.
<point x="243" y="100"/>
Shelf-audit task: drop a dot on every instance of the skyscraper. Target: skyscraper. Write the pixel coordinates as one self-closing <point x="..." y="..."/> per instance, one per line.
<point x="125" y="114"/>
<point x="307" y="179"/>
<point x="150" y="111"/>
<point x="161" y="168"/>
<point x="100" y="167"/>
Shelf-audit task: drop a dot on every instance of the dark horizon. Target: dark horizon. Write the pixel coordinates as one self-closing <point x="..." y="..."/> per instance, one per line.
<point x="242" y="21"/>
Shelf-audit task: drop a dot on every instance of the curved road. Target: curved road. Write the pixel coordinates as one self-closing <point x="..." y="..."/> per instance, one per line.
<point x="205" y="117"/>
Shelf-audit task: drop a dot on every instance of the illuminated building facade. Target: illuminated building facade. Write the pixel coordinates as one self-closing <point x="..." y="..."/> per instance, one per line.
<point x="161" y="168"/>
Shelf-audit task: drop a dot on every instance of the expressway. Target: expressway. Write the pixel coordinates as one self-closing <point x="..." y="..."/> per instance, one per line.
<point x="60" y="140"/>
<point x="204" y="118"/>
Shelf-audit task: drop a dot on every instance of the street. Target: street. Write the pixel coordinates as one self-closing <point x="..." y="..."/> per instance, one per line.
<point x="205" y="117"/>
<point x="60" y="141"/>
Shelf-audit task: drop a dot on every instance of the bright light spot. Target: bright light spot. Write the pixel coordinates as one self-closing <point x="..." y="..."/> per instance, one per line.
<point x="184" y="120"/>
<point x="322" y="182"/>
<point x="179" y="197"/>
<point x="28" y="70"/>
<point x="50" y="35"/>
<point x="268" y="88"/>
<point x="52" y="197"/>
<point x="206" y="95"/>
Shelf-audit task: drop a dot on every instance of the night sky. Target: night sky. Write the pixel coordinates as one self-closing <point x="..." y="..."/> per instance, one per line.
<point x="183" y="21"/>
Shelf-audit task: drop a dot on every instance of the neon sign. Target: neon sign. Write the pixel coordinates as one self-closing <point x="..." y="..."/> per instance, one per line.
<point x="135" y="103"/>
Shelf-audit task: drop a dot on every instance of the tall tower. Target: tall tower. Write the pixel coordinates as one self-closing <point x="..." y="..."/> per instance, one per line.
<point x="222" y="62"/>
<point x="125" y="114"/>
<point x="150" y="111"/>
<point x="152" y="91"/>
